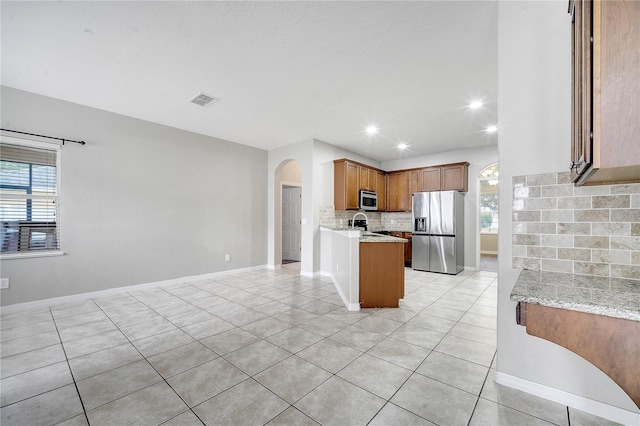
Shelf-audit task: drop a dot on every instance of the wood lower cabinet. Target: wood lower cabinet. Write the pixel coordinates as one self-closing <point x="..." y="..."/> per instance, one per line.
<point x="407" y="246"/>
<point x="605" y="91"/>
<point x="381" y="274"/>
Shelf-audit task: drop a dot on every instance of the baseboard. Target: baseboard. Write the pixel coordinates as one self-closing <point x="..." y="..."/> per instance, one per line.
<point x="350" y="306"/>
<point x="606" y="411"/>
<point x="17" y="307"/>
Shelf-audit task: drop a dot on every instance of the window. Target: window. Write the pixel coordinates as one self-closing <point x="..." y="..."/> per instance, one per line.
<point x="28" y="196"/>
<point x="489" y="199"/>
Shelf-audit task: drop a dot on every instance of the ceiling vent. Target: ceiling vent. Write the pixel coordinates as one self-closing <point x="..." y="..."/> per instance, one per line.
<point x="203" y="99"/>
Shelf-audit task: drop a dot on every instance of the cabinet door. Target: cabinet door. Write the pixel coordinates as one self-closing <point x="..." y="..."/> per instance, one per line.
<point x="454" y="177"/>
<point x="345" y="185"/>
<point x="397" y="189"/>
<point x="352" y="186"/>
<point x="407" y="249"/>
<point x="381" y="189"/>
<point x="431" y="179"/>
<point x="373" y="182"/>
<point x="381" y="274"/>
<point x="415" y="185"/>
<point x="415" y="181"/>
<point x="582" y="84"/>
<point x="364" y="178"/>
<point x="368" y="180"/>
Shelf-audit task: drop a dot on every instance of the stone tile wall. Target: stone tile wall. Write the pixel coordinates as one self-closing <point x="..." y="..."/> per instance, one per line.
<point x="377" y="221"/>
<point x="588" y="230"/>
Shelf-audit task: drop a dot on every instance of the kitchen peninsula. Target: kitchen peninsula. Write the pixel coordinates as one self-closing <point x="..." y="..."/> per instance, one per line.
<point x="597" y="318"/>
<point x="366" y="268"/>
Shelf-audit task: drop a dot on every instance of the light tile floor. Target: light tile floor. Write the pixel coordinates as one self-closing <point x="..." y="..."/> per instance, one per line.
<point x="266" y="347"/>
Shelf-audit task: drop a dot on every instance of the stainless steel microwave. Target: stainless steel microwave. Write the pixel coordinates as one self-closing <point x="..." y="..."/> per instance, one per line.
<point x="368" y="200"/>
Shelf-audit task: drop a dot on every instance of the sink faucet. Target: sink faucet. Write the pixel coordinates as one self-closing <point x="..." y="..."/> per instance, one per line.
<point x="353" y="220"/>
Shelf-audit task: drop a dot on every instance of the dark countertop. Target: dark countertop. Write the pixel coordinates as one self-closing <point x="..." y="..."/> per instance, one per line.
<point x="613" y="297"/>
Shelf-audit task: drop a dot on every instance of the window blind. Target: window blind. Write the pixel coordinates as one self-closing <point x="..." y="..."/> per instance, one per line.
<point x="29" y="213"/>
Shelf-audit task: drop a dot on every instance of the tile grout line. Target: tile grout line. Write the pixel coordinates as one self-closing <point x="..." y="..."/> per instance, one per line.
<point x="75" y="383"/>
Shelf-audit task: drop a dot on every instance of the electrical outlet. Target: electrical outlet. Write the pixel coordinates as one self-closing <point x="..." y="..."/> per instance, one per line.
<point x="337" y="266"/>
<point x="4" y="283"/>
<point x="227" y="257"/>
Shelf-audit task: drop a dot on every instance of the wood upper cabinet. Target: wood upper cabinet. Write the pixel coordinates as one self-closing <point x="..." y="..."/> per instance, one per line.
<point x="368" y="179"/>
<point x="349" y="177"/>
<point x="415" y="182"/>
<point x="381" y="189"/>
<point x="448" y="177"/>
<point x="455" y="177"/>
<point x="605" y="91"/>
<point x="394" y="189"/>
<point x="397" y="190"/>
<point x="431" y="179"/>
<point x="346" y="185"/>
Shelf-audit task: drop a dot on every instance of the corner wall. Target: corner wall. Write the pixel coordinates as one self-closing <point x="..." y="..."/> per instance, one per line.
<point x="140" y="202"/>
<point x="534" y="110"/>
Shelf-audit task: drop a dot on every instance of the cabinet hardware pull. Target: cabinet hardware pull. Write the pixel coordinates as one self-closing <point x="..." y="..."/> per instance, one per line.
<point x="575" y="165"/>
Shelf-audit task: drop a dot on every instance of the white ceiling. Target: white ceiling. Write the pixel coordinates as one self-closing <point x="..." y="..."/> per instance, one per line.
<point x="284" y="71"/>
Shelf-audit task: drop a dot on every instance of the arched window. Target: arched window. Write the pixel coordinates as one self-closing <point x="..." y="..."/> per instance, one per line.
<point x="489" y="199"/>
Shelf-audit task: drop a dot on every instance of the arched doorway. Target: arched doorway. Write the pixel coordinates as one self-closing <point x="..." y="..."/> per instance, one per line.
<point x="488" y="218"/>
<point x="288" y="212"/>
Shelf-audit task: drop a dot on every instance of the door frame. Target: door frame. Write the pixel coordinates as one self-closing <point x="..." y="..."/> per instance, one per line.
<point x="284" y="184"/>
<point x="478" y="222"/>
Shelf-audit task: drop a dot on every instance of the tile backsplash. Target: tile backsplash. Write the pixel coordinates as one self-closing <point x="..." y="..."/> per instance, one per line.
<point x="377" y="221"/>
<point x="589" y="230"/>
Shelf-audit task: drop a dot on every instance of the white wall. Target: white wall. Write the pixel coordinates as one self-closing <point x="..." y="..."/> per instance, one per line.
<point x="278" y="159"/>
<point x="535" y="137"/>
<point x="323" y="156"/>
<point x="478" y="159"/>
<point x="140" y="202"/>
<point x="292" y="173"/>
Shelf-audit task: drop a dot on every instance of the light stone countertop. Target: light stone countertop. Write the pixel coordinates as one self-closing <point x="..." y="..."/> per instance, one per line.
<point x="613" y="297"/>
<point x="367" y="237"/>
<point x="379" y="238"/>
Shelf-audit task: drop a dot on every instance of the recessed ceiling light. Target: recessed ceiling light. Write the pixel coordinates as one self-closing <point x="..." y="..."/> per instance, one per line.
<point x="402" y="146"/>
<point x="371" y="130"/>
<point x="492" y="129"/>
<point x="475" y="104"/>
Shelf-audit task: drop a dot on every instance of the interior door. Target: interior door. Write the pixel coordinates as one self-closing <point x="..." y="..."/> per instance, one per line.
<point x="291" y="222"/>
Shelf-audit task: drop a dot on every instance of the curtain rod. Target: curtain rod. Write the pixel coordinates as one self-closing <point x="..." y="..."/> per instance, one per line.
<point x="44" y="136"/>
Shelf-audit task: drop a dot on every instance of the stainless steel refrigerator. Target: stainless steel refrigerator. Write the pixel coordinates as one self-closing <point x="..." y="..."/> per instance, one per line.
<point x="438" y="232"/>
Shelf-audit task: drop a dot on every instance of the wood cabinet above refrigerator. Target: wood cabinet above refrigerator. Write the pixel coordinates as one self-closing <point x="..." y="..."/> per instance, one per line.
<point x="605" y="132"/>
